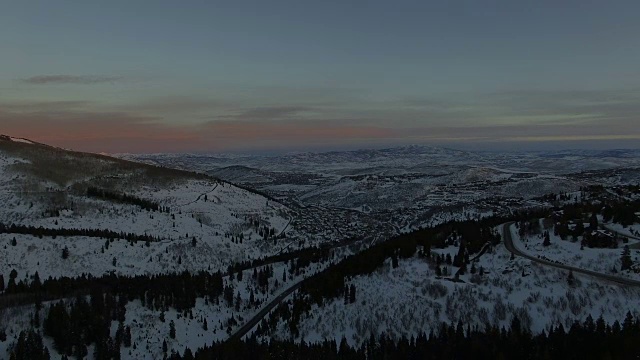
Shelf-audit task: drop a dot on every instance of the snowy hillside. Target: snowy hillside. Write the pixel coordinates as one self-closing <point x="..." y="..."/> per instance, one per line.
<point x="414" y="298"/>
<point x="199" y="225"/>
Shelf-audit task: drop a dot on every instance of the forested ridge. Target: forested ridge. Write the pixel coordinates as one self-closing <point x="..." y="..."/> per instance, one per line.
<point x="127" y="199"/>
<point x="41" y="232"/>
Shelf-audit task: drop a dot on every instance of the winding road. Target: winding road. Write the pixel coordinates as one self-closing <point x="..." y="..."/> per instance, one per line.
<point x="200" y="196"/>
<point x="508" y="243"/>
<point x="244" y="330"/>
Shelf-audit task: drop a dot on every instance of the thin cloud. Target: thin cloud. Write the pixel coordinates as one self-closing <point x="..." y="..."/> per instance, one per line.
<point x="184" y="124"/>
<point x="83" y="129"/>
<point x="268" y="113"/>
<point x="71" y="79"/>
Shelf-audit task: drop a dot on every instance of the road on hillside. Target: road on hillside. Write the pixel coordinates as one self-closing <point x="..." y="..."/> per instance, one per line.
<point x="244" y="330"/>
<point x="200" y="196"/>
<point x="240" y="333"/>
<point x="508" y="243"/>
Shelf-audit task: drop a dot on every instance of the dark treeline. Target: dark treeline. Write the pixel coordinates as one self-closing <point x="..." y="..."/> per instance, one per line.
<point x="251" y="190"/>
<point x="620" y="212"/>
<point x="596" y="200"/>
<point x="178" y="291"/>
<point x="591" y="339"/>
<point x="570" y="221"/>
<point x="303" y="257"/>
<point x="588" y="340"/>
<point x="41" y="232"/>
<point x="29" y="347"/>
<point x="27" y="291"/>
<point x="74" y="327"/>
<point x="127" y="199"/>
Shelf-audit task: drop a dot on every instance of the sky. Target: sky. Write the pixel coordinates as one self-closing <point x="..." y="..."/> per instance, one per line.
<point x="263" y="76"/>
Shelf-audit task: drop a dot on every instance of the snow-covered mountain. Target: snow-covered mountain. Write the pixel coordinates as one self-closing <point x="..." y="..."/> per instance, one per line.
<point x="43" y="187"/>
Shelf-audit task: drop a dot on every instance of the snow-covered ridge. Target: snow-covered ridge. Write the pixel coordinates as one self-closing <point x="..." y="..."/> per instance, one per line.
<point x="25" y="141"/>
<point x="46" y="187"/>
<point x="14" y="139"/>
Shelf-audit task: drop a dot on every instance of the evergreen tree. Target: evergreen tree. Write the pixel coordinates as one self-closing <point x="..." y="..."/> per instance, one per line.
<point x="80" y="350"/>
<point x="571" y="280"/>
<point x="346" y="294"/>
<point x="352" y="294"/>
<point x="172" y="329"/>
<point x="626" y="258"/>
<point x="238" y="301"/>
<point x="29" y="347"/>
<point x="188" y="355"/>
<point x="394" y="261"/>
<point x="593" y="222"/>
<point x="11" y="285"/>
<point x="120" y="334"/>
<point x="65" y="253"/>
<point x="127" y="337"/>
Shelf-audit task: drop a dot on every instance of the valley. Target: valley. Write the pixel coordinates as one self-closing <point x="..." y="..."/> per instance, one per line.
<point x="182" y="252"/>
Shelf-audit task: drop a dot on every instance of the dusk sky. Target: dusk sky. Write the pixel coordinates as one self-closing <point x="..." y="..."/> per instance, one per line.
<point x="211" y="76"/>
